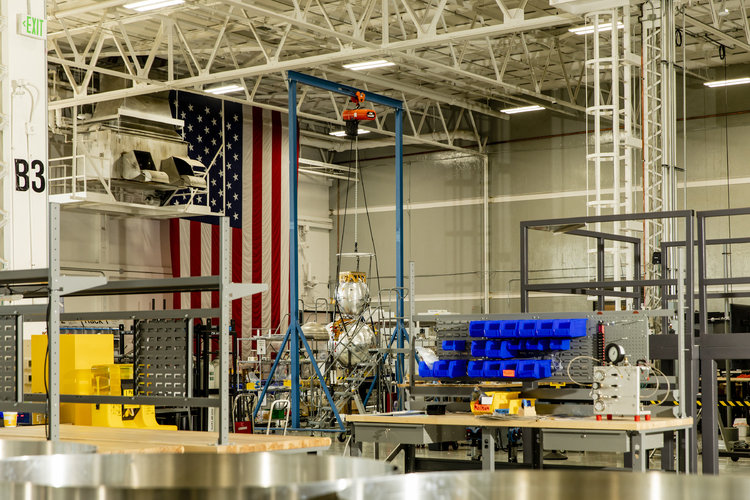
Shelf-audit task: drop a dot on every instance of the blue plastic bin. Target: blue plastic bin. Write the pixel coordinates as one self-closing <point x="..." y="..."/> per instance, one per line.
<point x="559" y="344"/>
<point x="509" y="329"/>
<point x="527" y="329"/>
<point x="502" y="349"/>
<point x="492" y="329"/>
<point x="493" y="349"/>
<point x="424" y="370"/>
<point x="454" y="345"/>
<point x="476" y="329"/>
<point x="457" y="368"/>
<point x="440" y="368"/>
<point x="570" y="328"/>
<point x="493" y="369"/>
<point x="535" y="345"/>
<point x="546" y="328"/>
<point x="475" y="369"/>
<point x="478" y="348"/>
<point x="534" y="368"/>
<point x="510" y="365"/>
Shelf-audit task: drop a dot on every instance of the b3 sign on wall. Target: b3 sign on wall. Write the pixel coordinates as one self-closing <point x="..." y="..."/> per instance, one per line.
<point x="30" y="176"/>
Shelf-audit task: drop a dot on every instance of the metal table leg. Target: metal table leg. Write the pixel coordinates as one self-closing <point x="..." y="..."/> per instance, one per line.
<point x="355" y="447"/>
<point x="533" y="454"/>
<point x="488" y="449"/>
<point x="409" y="458"/>
<point x="667" y="452"/>
<point x="638" y="456"/>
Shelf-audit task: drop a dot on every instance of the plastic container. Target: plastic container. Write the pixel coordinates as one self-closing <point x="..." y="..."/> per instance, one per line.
<point x="492" y="329"/>
<point x="424" y="370"/>
<point x="10" y="418"/>
<point x="559" y="344"/>
<point x="499" y="349"/>
<point x="508" y="368"/>
<point x="440" y="369"/>
<point x="493" y="369"/>
<point x="475" y="369"/>
<point x="478" y="348"/>
<point x="457" y="368"/>
<point x="454" y="345"/>
<point x="534" y="368"/>
<point x="527" y="329"/>
<point x="509" y="329"/>
<point x="570" y="328"/>
<point x="476" y="329"/>
<point x="546" y="328"/>
<point x="535" y="345"/>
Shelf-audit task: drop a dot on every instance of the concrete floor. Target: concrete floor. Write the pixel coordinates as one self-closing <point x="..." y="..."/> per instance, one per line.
<point x="726" y="466"/>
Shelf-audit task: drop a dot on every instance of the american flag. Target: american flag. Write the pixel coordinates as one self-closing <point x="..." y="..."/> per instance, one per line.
<point x="245" y="150"/>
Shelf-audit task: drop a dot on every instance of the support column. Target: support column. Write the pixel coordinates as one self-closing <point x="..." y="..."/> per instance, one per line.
<point x="53" y="325"/>
<point x="225" y="271"/>
<point x="23" y="136"/>
<point x="709" y="400"/>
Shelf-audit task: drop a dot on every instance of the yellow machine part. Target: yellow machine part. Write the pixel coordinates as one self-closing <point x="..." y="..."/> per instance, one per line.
<point x="509" y="401"/>
<point x="352" y="277"/>
<point x="77" y="352"/>
<point x="87" y="367"/>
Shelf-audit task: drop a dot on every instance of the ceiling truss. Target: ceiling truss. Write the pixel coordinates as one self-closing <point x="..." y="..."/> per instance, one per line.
<point x="457" y="62"/>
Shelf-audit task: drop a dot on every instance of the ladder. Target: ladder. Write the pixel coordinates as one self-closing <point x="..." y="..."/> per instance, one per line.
<point x="611" y="120"/>
<point x="653" y="155"/>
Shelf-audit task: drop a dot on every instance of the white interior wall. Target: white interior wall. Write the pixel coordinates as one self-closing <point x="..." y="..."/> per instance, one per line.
<point x="315" y="228"/>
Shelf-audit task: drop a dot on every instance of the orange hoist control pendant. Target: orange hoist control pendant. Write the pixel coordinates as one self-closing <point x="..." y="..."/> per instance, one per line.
<point x="358" y="115"/>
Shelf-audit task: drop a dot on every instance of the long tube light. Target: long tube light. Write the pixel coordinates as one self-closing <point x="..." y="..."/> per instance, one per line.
<point x="146" y="5"/>
<point x="342" y="133"/>
<point x="727" y="83"/>
<point x="226" y="89"/>
<point x="380" y="63"/>
<point x="524" y="109"/>
<point x="589" y="28"/>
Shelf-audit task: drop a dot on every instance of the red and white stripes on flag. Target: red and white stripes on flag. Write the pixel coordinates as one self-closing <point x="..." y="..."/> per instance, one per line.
<point x="256" y="200"/>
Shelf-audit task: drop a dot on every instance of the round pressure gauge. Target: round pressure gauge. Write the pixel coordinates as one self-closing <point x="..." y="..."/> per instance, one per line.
<point x="599" y="406"/>
<point x="615" y="353"/>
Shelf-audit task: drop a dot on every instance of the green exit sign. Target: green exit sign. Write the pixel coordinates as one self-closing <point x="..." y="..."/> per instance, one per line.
<point x="31" y="26"/>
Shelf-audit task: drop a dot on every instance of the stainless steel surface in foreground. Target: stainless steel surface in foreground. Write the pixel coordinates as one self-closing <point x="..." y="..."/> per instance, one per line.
<point x="17" y="448"/>
<point x="547" y="485"/>
<point x="511" y="485"/>
<point x="189" y="470"/>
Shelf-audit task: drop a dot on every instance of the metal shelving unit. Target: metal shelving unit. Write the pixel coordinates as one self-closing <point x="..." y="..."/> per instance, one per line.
<point x="732" y="345"/>
<point x="51" y="284"/>
<point x="675" y="284"/>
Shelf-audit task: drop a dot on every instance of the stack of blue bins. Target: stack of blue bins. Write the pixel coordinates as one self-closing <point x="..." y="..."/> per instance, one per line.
<point x="508" y="349"/>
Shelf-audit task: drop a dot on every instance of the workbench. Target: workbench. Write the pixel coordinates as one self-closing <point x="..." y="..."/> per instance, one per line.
<point x="119" y="440"/>
<point x="623" y="435"/>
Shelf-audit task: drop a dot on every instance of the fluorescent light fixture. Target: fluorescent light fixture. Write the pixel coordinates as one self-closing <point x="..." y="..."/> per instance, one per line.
<point x="727" y="83"/>
<point x="146" y="5"/>
<point x="380" y="63"/>
<point x="342" y="133"/>
<point x="524" y="109"/>
<point x="226" y="89"/>
<point x="589" y="28"/>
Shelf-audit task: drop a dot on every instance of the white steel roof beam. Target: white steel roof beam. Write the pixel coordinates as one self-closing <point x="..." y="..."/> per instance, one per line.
<point x="394" y="48"/>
